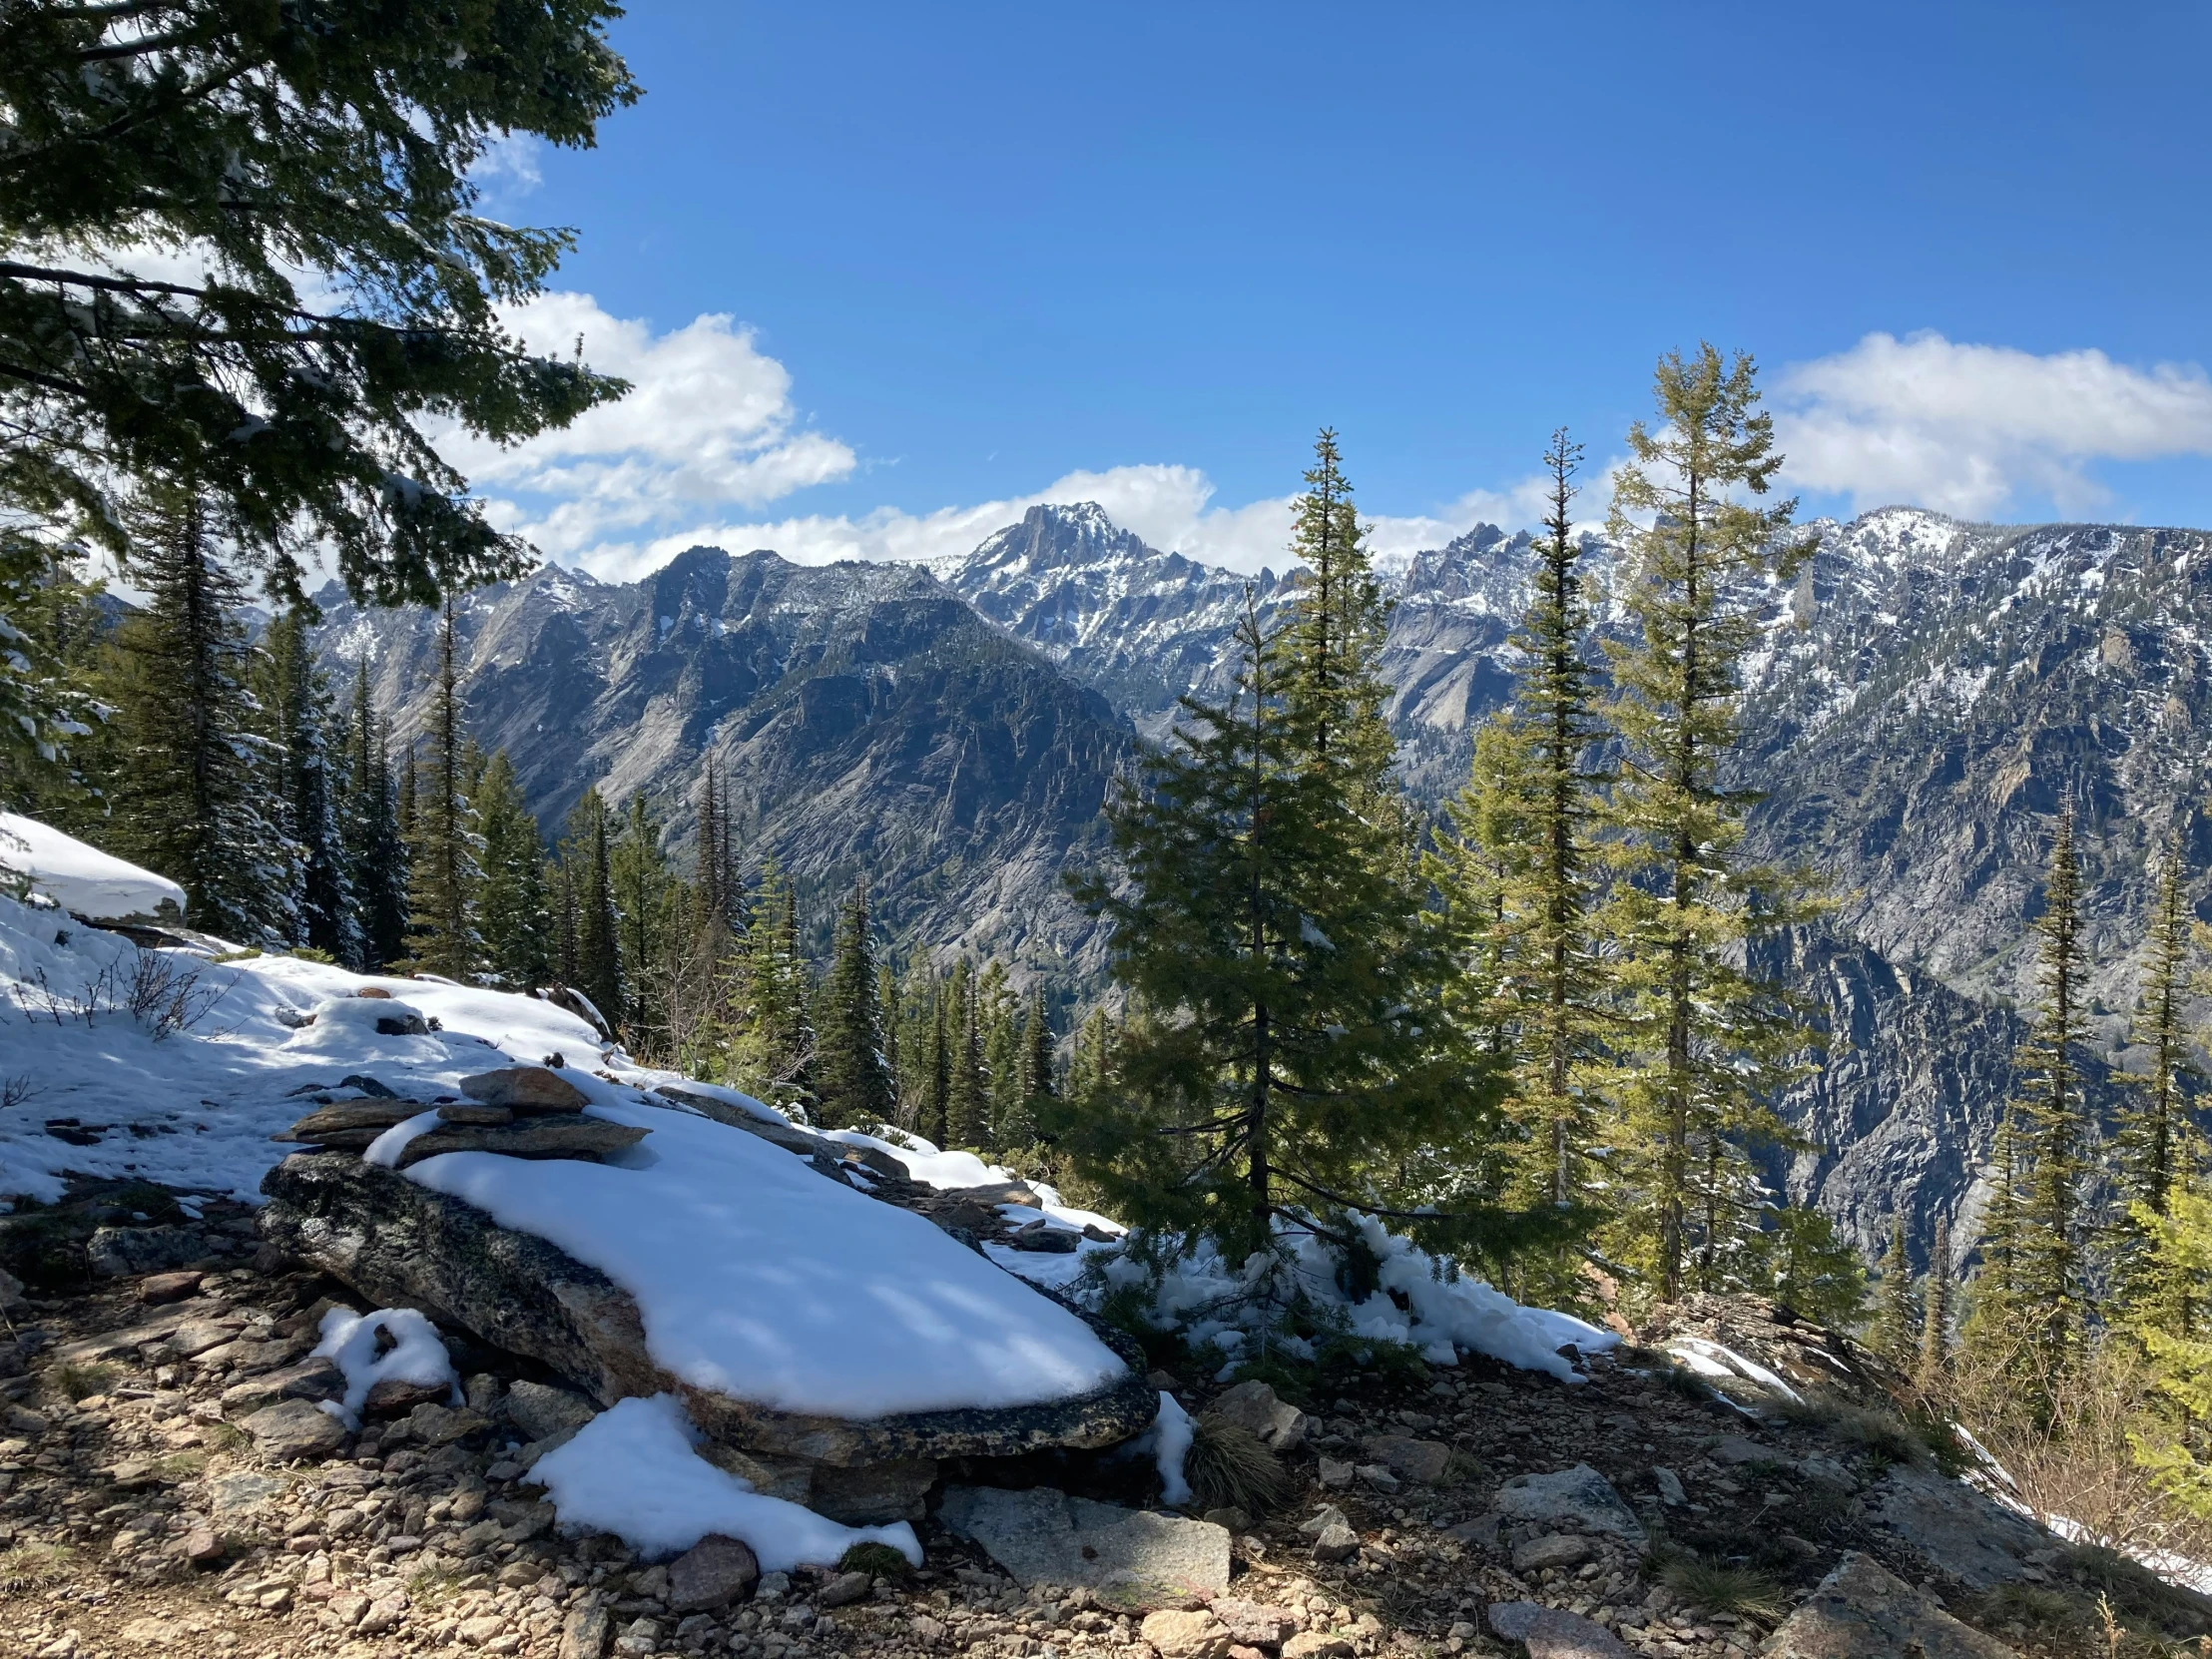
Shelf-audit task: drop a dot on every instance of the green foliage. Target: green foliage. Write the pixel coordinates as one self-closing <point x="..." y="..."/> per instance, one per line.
<point x="1519" y="886"/>
<point x="640" y="874"/>
<point x="877" y="1561"/>
<point x="1806" y="1268"/>
<point x="591" y="946"/>
<point x="1709" y="1046"/>
<point x="190" y="774"/>
<point x="313" y="162"/>
<point x="1291" y="1059"/>
<point x="1720" y="1587"/>
<point x="1897" y="1330"/>
<point x="854" y="1079"/>
<point x="444" y="873"/>
<point x="516" y="919"/>
<point x="2032" y="1297"/>
<point x="773" y="1055"/>
<point x="297" y="721"/>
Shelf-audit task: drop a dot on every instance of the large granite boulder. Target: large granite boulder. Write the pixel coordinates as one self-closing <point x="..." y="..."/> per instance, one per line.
<point x="403" y="1244"/>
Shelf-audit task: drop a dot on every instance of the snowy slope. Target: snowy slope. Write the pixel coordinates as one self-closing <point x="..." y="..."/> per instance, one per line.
<point x="82" y="879"/>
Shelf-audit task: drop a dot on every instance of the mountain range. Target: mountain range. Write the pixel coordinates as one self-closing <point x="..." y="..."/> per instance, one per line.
<point x="1927" y="694"/>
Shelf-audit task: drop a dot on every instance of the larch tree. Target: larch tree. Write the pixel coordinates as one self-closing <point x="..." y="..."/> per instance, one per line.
<point x="1520" y="882"/>
<point x="446" y="876"/>
<point x="2151" y="1124"/>
<point x="1712" y="1043"/>
<point x="2051" y="1282"/>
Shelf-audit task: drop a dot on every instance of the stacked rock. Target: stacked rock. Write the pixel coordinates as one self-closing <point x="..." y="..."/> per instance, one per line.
<point x="521" y="1111"/>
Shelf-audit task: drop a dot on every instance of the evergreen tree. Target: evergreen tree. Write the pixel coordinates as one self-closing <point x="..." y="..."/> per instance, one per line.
<point x="517" y="920"/>
<point x="711" y="857"/>
<point x="641" y="887"/>
<point x="589" y="876"/>
<point x="774" y="1056"/>
<point x="1519" y="879"/>
<point x="296" y="720"/>
<point x="191" y="773"/>
<point x="1806" y="1268"/>
<point x="376" y="848"/>
<point x="1936" y="1314"/>
<point x="2150" y="1129"/>
<point x="54" y="633"/>
<point x="441" y="898"/>
<point x="854" y="1075"/>
<point x="892" y="1015"/>
<point x="1033" y="1092"/>
<point x="1714" y="1041"/>
<point x="1297" y="1064"/>
<point x="934" y="1115"/>
<point x="967" y="1098"/>
<point x="409" y="789"/>
<point x="1897" y="1334"/>
<point x="2179" y="1246"/>
<point x="2048" y="1269"/>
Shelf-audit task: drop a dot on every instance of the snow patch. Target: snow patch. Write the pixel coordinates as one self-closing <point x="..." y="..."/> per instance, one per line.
<point x="416" y="1354"/>
<point x="632" y="1471"/>
<point x="82" y="879"/>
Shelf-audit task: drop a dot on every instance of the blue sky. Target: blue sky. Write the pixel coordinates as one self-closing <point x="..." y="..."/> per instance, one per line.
<point x="884" y="274"/>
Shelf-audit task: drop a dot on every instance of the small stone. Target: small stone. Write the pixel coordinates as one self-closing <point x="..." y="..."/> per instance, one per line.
<point x="1551" y="1633"/>
<point x="310" y="1379"/>
<point x="1579" y="1498"/>
<point x="845" y="1589"/>
<point x="393" y="1396"/>
<point x="374" y="994"/>
<point x="1322" y="1520"/>
<point x="480" y="1629"/>
<point x="525" y="1090"/>
<point x="1316" y="1644"/>
<point x="1254" y="1405"/>
<point x="115" y="1251"/>
<point x="157" y="1288"/>
<point x="1556" y="1549"/>
<point x="293" y="1429"/>
<point x="11" y="1290"/>
<point x="1253" y="1624"/>
<point x="350" y="1123"/>
<point x="1232" y="1518"/>
<point x="1181" y="1635"/>
<point x="348" y="1608"/>
<point x="541" y="1412"/>
<point x="134" y="1474"/>
<point x="436" y="1426"/>
<point x="714" y="1572"/>
<point x="203" y="1547"/>
<point x="1378" y="1477"/>
<point x="1420" y="1461"/>
<point x="1669" y="1486"/>
<point x="1338" y="1542"/>
<point x="1861" y="1608"/>
<point x="383" y="1615"/>
<point x="1334" y="1474"/>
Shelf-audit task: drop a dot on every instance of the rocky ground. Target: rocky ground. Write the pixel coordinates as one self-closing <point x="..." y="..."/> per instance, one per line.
<point x="137" y="1513"/>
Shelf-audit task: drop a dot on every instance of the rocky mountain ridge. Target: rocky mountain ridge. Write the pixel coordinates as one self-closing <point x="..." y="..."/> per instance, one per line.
<point x="1928" y="692"/>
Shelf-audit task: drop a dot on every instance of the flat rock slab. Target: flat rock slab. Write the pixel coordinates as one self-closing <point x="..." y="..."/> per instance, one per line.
<point x="293" y="1429"/>
<point x="525" y="1089"/>
<point x="1043" y="1536"/>
<point x="1860" y="1610"/>
<point x="712" y="1575"/>
<point x="1977" y="1540"/>
<point x="562" y="1137"/>
<point x="115" y="1251"/>
<point x="1550" y="1633"/>
<point x="1573" y="1500"/>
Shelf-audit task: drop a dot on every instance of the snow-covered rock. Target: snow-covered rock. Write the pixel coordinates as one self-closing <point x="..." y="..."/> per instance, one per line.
<point x="82" y="879"/>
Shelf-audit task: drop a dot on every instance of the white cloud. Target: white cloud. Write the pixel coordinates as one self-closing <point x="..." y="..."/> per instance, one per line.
<point x="708" y="425"/>
<point x="709" y="433"/>
<point x="1167" y="506"/>
<point x="1966" y="429"/>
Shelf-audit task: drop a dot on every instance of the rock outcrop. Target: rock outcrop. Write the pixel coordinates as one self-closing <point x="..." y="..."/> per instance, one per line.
<point x="403" y="1244"/>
